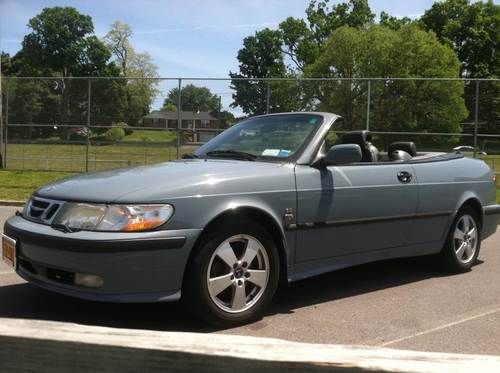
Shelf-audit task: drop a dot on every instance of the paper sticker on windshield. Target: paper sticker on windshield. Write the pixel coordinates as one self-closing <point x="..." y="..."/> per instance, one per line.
<point x="271" y="152"/>
<point x="284" y="153"/>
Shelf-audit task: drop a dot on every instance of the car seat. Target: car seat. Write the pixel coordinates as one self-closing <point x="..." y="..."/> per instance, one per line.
<point x="362" y="138"/>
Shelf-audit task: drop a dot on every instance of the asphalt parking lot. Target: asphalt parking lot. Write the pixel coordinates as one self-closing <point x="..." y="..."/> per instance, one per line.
<point x="408" y="304"/>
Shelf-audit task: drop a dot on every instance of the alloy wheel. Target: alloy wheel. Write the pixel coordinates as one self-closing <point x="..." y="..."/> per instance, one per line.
<point x="238" y="273"/>
<point x="465" y="239"/>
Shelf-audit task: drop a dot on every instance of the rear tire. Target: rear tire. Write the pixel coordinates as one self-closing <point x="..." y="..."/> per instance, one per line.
<point x="462" y="246"/>
<point x="233" y="275"/>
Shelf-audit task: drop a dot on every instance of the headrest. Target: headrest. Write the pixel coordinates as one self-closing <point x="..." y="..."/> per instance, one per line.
<point x="399" y="155"/>
<point x="357" y="137"/>
<point x="407" y="146"/>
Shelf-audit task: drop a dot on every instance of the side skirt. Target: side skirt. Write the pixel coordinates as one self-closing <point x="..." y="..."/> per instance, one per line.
<point x="305" y="270"/>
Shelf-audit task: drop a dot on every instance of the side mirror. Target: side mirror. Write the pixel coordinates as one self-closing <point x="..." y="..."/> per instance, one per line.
<point x="342" y="154"/>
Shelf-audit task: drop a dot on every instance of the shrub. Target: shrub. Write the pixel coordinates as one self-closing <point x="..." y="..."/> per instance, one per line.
<point x="114" y="134"/>
<point x="128" y="130"/>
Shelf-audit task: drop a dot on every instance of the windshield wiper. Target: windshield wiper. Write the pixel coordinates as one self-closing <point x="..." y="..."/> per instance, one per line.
<point x="64" y="228"/>
<point x="190" y="156"/>
<point x="232" y="154"/>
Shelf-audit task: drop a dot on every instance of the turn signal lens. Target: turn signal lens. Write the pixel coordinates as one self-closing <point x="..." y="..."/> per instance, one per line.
<point x="142" y="225"/>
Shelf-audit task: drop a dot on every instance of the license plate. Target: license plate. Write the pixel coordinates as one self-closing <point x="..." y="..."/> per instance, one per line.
<point x="9" y="250"/>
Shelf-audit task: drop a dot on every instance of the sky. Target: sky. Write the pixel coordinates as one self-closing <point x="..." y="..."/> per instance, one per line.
<point x="186" y="38"/>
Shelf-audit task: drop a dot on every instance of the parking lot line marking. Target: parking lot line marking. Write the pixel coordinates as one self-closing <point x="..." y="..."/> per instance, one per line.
<point x="6" y="272"/>
<point x="441" y="327"/>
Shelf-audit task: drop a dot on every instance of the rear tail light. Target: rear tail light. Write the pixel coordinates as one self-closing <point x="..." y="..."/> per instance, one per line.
<point x="495" y="179"/>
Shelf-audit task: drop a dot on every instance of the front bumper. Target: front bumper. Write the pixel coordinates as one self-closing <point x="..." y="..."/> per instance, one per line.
<point x="134" y="267"/>
<point x="491" y="219"/>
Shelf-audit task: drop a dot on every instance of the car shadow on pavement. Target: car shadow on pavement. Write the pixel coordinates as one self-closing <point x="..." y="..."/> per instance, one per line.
<point x="355" y="281"/>
<point x="30" y="302"/>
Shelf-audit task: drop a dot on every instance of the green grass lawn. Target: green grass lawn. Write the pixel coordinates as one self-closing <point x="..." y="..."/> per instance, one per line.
<point x="493" y="161"/>
<point x="151" y="135"/>
<point x="72" y="157"/>
<point x="18" y="185"/>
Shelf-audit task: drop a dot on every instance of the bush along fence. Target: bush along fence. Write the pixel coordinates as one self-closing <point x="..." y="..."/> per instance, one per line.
<point x="85" y="124"/>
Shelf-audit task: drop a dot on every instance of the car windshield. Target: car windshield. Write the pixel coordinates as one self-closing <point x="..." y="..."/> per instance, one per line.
<point x="269" y="137"/>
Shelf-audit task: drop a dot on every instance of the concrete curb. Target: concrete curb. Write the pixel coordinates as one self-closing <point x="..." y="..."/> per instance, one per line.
<point x="11" y="203"/>
<point x="34" y="345"/>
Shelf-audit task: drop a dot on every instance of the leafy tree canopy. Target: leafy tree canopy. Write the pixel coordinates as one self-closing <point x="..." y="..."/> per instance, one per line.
<point x="140" y="93"/>
<point x="378" y="51"/>
<point x="193" y="98"/>
<point x="61" y="42"/>
<point x="392" y="22"/>
<point x="261" y="57"/>
<point x="297" y="41"/>
<point x="472" y="30"/>
<point x="302" y="40"/>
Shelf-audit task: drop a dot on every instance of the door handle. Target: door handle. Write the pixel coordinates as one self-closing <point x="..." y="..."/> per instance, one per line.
<point x="404" y="177"/>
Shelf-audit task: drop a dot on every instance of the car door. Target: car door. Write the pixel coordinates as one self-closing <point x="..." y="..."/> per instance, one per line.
<point x="351" y="209"/>
<point x="439" y="191"/>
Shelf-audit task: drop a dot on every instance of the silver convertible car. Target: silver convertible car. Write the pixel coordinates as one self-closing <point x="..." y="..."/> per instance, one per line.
<point x="269" y="200"/>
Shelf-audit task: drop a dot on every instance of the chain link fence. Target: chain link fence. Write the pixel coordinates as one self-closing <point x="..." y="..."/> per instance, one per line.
<point x="86" y="124"/>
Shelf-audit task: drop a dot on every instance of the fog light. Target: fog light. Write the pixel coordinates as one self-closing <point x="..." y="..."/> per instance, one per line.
<point x="90" y="281"/>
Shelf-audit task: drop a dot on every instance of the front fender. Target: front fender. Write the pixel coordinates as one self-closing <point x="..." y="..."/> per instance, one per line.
<point x="242" y="203"/>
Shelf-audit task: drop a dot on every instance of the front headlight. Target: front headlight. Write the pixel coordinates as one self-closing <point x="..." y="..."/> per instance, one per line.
<point x="124" y="218"/>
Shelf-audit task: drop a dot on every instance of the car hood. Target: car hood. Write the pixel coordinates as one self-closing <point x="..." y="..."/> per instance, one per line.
<point x="175" y="179"/>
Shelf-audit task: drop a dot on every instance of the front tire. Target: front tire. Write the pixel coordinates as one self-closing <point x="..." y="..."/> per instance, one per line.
<point x="464" y="241"/>
<point x="233" y="275"/>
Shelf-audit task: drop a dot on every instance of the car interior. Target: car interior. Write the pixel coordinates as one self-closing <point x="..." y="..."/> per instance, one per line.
<point x="400" y="151"/>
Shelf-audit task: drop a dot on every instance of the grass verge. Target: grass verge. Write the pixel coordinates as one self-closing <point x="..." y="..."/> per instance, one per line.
<point x="18" y="185"/>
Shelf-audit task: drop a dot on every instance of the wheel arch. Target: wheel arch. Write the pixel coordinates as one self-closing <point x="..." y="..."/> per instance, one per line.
<point x="471" y="200"/>
<point x="259" y="214"/>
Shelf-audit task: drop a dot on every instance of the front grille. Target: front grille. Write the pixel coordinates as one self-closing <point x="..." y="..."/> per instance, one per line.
<point x="42" y="210"/>
<point x="38" y="207"/>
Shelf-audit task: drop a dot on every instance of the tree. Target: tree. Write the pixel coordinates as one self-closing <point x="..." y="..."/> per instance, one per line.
<point x="118" y="42"/>
<point x="392" y="22"/>
<point x="226" y="118"/>
<point x="140" y="93"/>
<point x="193" y="98"/>
<point x="297" y="43"/>
<point x="378" y="51"/>
<point x="473" y="31"/>
<point x="303" y="40"/>
<point x="6" y="63"/>
<point x="61" y="44"/>
<point x="262" y="57"/>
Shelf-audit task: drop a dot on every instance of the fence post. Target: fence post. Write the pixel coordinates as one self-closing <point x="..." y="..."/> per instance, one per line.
<point x="6" y="127"/>
<point x="179" y="118"/>
<point x="476" y="118"/>
<point x="268" y="97"/>
<point x="1" y="116"/>
<point x="88" y="126"/>
<point x="368" y="100"/>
